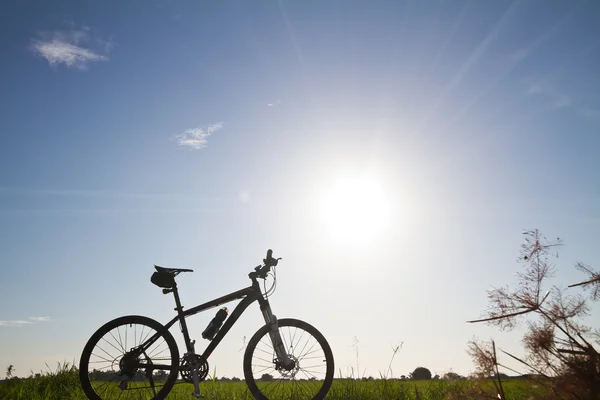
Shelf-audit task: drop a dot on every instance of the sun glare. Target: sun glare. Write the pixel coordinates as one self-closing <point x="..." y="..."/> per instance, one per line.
<point x="355" y="210"/>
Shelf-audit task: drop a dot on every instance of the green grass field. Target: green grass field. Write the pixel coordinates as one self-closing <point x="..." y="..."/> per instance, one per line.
<point x="63" y="384"/>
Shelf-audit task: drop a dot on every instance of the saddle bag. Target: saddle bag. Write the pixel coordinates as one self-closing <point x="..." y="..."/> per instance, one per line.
<point x="163" y="280"/>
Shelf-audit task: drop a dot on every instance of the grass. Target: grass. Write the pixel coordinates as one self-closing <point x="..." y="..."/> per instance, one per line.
<point x="63" y="384"/>
<point x="60" y="384"/>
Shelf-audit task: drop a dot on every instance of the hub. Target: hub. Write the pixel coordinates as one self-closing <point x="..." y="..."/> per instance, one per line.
<point x="288" y="371"/>
<point x="129" y="364"/>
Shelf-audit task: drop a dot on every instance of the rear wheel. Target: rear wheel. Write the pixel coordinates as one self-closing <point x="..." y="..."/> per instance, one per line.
<point x="310" y="376"/>
<point x="118" y="363"/>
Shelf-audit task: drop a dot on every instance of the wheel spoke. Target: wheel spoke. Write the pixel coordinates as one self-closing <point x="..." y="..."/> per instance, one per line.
<point x="125" y="376"/>
<point x="112" y="345"/>
<point x="309" y="378"/>
<point x="121" y="347"/>
<point x="145" y="337"/>
<point x="266" y="343"/>
<point x="102" y="358"/>
<point x="270" y="353"/>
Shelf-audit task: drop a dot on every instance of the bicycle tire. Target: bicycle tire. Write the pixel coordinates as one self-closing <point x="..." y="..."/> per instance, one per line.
<point x="102" y="339"/>
<point x="303" y="388"/>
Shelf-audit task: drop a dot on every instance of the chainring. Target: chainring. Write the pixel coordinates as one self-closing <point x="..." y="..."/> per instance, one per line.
<point x="187" y="365"/>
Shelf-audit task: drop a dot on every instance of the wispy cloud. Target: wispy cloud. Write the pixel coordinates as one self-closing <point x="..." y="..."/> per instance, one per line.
<point x="274" y="104"/>
<point x="526" y="51"/>
<point x="17" y="322"/>
<point x="519" y="55"/>
<point x="75" y="48"/>
<point x="592" y="113"/>
<point x="196" y="138"/>
<point x="561" y="101"/>
<point x="40" y="319"/>
<point x="557" y="98"/>
<point x="23" y="322"/>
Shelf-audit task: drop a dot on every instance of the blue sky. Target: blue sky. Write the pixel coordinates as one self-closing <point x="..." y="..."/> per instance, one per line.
<point x="199" y="134"/>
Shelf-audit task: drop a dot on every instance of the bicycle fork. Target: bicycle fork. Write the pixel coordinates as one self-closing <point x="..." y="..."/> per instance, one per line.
<point x="280" y="350"/>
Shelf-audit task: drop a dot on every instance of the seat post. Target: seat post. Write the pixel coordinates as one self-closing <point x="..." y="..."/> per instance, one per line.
<point x="179" y="307"/>
<point x="183" y="325"/>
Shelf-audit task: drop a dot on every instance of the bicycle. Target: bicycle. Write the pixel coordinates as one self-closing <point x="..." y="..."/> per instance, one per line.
<point x="137" y="357"/>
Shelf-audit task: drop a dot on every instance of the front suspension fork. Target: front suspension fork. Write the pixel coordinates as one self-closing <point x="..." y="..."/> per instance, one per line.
<point x="280" y="350"/>
<point x="275" y="335"/>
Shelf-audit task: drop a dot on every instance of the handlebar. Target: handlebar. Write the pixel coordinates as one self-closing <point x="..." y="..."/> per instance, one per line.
<point x="270" y="261"/>
<point x="262" y="270"/>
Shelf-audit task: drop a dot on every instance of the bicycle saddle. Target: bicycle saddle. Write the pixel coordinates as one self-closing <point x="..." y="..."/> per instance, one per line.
<point x="173" y="271"/>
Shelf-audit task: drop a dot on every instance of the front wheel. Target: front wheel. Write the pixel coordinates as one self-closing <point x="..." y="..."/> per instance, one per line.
<point x="131" y="357"/>
<point x="310" y="376"/>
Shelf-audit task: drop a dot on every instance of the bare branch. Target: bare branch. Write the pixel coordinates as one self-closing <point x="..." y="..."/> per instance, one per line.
<point x="593" y="283"/>
<point x="483" y="357"/>
<point x="501" y="316"/>
<point x="524" y="363"/>
<point x="585" y="283"/>
<point x="555" y="341"/>
<point x="567" y="351"/>
<point x="501" y="388"/>
<point x="510" y="369"/>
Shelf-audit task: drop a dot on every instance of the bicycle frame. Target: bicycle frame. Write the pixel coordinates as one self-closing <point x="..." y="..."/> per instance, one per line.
<point x="248" y="295"/>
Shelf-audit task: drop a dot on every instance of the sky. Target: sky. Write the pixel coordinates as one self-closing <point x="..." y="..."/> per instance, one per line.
<point x="391" y="152"/>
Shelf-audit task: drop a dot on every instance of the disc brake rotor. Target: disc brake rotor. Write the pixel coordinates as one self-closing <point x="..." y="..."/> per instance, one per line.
<point x="289" y="372"/>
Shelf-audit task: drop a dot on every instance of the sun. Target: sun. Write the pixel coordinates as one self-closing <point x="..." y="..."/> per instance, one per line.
<point x="355" y="209"/>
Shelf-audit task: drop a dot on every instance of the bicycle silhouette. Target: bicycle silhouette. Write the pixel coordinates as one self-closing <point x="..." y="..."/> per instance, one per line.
<point x="136" y="357"/>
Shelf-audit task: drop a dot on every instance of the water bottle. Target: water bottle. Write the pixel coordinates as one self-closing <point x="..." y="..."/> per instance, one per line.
<point x="214" y="326"/>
